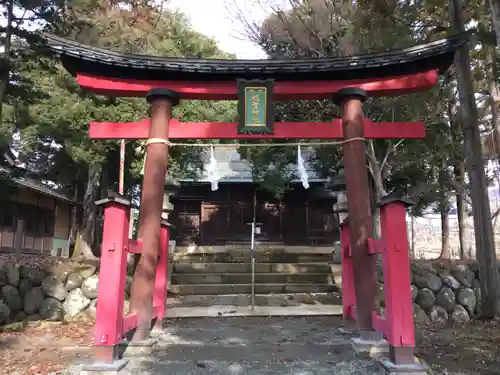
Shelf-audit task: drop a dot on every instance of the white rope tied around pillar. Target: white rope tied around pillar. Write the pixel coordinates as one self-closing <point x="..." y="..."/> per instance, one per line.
<point x="152" y="141"/>
<point x="302" y="169"/>
<point x="213" y="173"/>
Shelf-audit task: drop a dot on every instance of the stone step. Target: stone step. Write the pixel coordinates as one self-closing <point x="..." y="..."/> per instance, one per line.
<point x="336" y="272"/>
<point x="288" y="268"/>
<point x="297" y="299"/>
<point x="259" y="247"/>
<point x="260" y="278"/>
<point x="245" y="257"/>
<point x="217" y="289"/>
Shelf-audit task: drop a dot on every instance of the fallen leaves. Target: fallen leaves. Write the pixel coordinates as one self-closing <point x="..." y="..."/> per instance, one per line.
<point x="469" y="348"/>
<point x="45" y="348"/>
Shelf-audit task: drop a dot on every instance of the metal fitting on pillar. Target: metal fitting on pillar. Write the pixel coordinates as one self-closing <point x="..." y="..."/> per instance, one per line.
<point x="162" y="93"/>
<point x="349" y="93"/>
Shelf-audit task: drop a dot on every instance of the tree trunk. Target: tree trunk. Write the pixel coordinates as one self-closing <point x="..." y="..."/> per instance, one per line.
<point x="379" y="193"/>
<point x="7" y="52"/>
<point x="483" y="230"/>
<point x="445" y="229"/>
<point x="494" y="124"/>
<point x="459" y="170"/>
<point x="494" y="93"/>
<point x="86" y="235"/>
<point x="75" y="217"/>
<point x="377" y="188"/>
<point x="459" y="166"/>
<point x="378" y="182"/>
<point x="495" y="18"/>
<point x="73" y="233"/>
<point x="412" y="253"/>
<point x="104" y="184"/>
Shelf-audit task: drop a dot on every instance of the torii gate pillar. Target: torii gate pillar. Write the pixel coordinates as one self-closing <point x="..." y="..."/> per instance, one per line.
<point x="142" y="290"/>
<point x="359" y="208"/>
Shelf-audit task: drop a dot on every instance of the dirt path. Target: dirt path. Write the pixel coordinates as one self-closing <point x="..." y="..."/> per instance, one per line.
<point x="472" y="349"/>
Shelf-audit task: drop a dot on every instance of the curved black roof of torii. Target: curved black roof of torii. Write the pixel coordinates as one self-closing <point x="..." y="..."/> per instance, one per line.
<point x="81" y="58"/>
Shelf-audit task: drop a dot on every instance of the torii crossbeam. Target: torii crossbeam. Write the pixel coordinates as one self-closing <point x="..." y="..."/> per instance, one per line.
<point x="282" y="130"/>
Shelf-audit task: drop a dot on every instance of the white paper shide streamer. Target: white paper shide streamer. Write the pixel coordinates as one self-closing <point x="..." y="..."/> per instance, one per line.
<point x="302" y="169"/>
<point x="212" y="172"/>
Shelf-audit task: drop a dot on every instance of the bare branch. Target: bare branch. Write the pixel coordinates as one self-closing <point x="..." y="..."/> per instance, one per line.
<point x="390" y="150"/>
<point x="370" y="153"/>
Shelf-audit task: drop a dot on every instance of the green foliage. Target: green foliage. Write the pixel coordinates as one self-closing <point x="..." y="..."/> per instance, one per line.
<point x="54" y="122"/>
<point x="315" y="28"/>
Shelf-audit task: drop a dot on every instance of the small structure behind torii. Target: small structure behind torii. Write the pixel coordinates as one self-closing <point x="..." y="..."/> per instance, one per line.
<point x="348" y="81"/>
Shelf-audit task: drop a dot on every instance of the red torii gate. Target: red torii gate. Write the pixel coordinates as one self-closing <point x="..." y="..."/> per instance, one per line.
<point x="165" y="81"/>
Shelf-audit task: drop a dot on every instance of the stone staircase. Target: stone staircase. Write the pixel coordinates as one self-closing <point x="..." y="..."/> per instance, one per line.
<point x="226" y="270"/>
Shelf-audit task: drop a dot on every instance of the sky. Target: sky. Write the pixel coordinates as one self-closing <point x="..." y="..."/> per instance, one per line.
<point x="215" y="18"/>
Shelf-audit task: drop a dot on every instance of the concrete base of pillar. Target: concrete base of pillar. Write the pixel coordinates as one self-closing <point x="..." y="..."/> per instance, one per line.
<point x="138" y="348"/>
<point x="370" y="348"/>
<point x="102" y="368"/>
<point x="157" y="331"/>
<point x="349" y="327"/>
<point x="418" y="368"/>
<point x="157" y="326"/>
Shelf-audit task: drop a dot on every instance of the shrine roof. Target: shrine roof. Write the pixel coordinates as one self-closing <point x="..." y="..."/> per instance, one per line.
<point x="232" y="167"/>
<point x="81" y="58"/>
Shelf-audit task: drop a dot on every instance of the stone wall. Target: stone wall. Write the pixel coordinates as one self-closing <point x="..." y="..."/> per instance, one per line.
<point x="49" y="290"/>
<point x="442" y="292"/>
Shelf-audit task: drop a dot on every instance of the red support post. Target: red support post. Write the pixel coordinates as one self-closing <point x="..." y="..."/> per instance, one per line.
<point x="348" y="295"/>
<point x="160" y="297"/>
<point x="397" y="290"/>
<point x="112" y="275"/>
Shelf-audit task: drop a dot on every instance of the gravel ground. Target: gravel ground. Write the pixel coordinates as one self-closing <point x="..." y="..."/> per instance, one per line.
<point x="252" y="345"/>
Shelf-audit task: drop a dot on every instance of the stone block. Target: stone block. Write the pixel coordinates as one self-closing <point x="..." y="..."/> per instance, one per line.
<point x="263" y="267"/>
<point x="102" y="368"/>
<point x="370" y="348"/>
<point x="329" y="299"/>
<point x="237" y="278"/>
<point x="310" y="278"/>
<point x="276" y="301"/>
<point x="224" y="301"/>
<point x="196" y="279"/>
<point x="303" y="298"/>
<point x="197" y="301"/>
<point x="417" y="368"/>
<point x="309" y="288"/>
<point x="140" y="348"/>
<point x="261" y="301"/>
<point x="291" y="302"/>
<point x="242" y="300"/>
